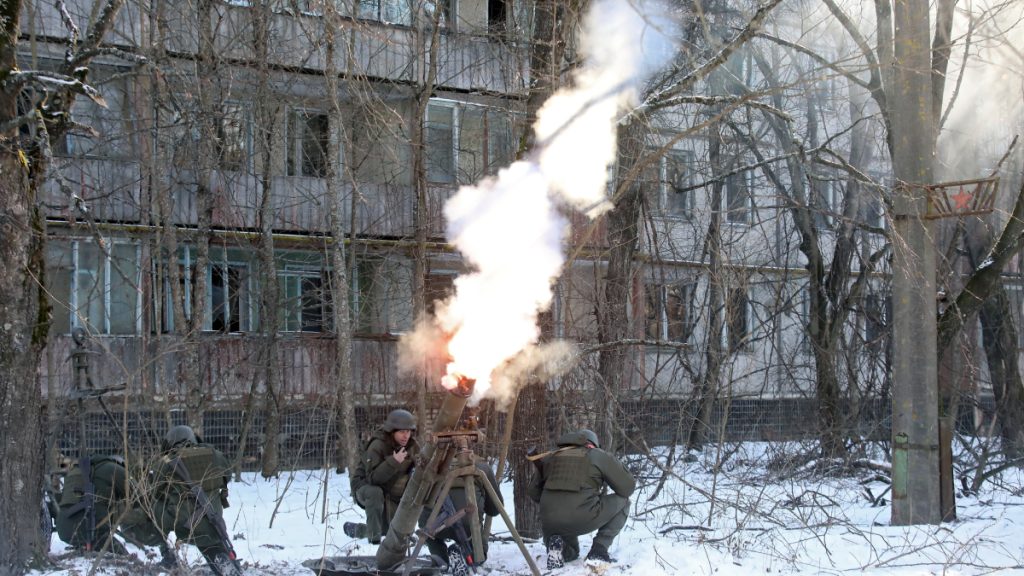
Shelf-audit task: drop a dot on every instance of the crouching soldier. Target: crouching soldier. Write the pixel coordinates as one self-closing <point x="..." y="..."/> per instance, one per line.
<point x="570" y="486"/>
<point x="383" y="472"/>
<point x="459" y="555"/>
<point x="94" y="505"/>
<point x="190" y="492"/>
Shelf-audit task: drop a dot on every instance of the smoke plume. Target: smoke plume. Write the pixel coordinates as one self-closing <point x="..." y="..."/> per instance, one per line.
<point x="510" y="229"/>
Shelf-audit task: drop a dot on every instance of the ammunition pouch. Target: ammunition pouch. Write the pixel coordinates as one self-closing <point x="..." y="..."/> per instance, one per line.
<point x="567" y="471"/>
<point x="199" y="462"/>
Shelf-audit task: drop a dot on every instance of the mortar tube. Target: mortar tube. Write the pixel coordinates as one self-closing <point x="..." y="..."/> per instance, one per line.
<point x="392" y="550"/>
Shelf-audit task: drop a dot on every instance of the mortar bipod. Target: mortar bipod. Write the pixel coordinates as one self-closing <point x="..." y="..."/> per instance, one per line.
<point x="457" y="446"/>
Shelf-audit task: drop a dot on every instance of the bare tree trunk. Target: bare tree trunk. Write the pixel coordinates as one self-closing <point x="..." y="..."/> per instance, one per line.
<point x="829" y="291"/>
<point x="22" y="235"/>
<point x="346" y="411"/>
<point x="24" y="311"/>
<point x="270" y="301"/>
<point x="167" y="239"/>
<point x="1000" y="342"/>
<point x="999" y="337"/>
<point x="530" y="430"/>
<point x="528" y="420"/>
<point x="191" y="366"/>
<point x="430" y="45"/>
<point x="704" y="395"/>
<point x="615" y="363"/>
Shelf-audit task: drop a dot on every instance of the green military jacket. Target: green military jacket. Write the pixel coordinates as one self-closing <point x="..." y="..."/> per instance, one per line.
<point x="207" y="467"/>
<point x="175" y="507"/>
<point x="109" y="480"/>
<point x="378" y="466"/>
<point x="574" y="477"/>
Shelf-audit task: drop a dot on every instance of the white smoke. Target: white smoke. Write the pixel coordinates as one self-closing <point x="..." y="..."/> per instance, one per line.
<point x="988" y="109"/>
<point x="510" y="229"/>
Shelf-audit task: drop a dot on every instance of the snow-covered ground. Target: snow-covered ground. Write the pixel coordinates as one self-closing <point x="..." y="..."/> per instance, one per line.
<point x="763" y="522"/>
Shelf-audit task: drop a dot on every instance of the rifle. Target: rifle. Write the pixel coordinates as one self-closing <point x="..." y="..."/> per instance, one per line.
<point x="88" y="500"/>
<point x="203" y="506"/>
<point x="533" y="456"/>
<point x="450" y="517"/>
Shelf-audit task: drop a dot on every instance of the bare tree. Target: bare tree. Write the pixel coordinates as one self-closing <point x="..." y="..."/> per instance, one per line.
<point x="34" y="111"/>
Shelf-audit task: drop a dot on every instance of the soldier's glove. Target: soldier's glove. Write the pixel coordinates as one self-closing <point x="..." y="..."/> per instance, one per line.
<point x="224" y="497"/>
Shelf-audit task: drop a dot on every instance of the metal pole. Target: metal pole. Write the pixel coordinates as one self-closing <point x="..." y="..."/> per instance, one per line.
<point x="915" y="357"/>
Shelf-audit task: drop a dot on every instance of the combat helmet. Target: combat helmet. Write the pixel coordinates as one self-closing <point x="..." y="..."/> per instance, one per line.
<point x="399" y="420"/>
<point x="178" y="435"/>
<point x="590" y="436"/>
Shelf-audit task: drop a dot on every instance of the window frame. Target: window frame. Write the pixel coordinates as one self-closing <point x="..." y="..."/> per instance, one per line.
<point x="730" y="340"/>
<point x="1015" y="294"/>
<point x="378" y="14"/>
<point x="295" y="144"/>
<point x="301" y="274"/>
<point x="877" y="318"/>
<point x="826" y="202"/>
<point x="165" y="323"/>
<point x="656" y="299"/>
<point x="451" y="171"/>
<point x="103" y="280"/>
<point x="245" y="322"/>
<point x="244" y="140"/>
<point x="438" y="283"/>
<point x="666" y="186"/>
<point x="368" y="322"/>
<point x="747" y="177"/>
<point x="448" y="13"/>
<point x="494" y="155"/>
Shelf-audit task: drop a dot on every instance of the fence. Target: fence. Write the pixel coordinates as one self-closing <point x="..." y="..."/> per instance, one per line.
<point x="308" y="434"/>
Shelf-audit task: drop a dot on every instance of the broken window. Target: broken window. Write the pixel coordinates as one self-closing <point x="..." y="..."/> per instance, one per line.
<point x="669" y="311"/>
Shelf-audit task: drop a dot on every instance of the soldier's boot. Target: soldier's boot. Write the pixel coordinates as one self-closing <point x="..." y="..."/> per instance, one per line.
<point x="223" y="565"/>
<point x="555" y="545"/>
<point x="354" y="529"/>
<point x="457" y="562"/>
<point x="598" y="553"/>
<point x="167" y="558"/>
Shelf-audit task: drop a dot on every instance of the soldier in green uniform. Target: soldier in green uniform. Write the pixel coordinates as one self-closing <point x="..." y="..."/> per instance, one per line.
<point x="94" y="505"/>
<point x="190" y="492"/>
<point x="571" y="487"/>
<point x="456" y="554"/>
<point x="380" y="478"/>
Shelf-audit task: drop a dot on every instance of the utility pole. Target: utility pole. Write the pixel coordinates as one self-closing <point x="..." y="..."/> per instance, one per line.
<point x="915" y="490"/>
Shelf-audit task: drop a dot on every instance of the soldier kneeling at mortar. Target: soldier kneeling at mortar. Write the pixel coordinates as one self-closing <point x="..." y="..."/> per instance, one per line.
<point x="459" y="555"/>
<point x="382" y="474"/>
